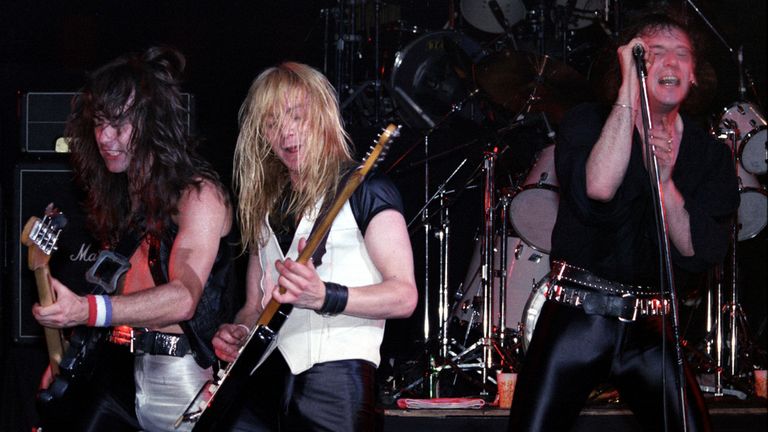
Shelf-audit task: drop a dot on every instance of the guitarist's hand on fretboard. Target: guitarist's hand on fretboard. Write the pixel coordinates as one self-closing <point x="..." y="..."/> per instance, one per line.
<point x="69" y="310"/>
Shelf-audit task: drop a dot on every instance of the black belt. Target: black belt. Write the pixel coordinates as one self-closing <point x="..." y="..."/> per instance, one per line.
<point x="142" y="341"/>
<point x="579" y="288"/>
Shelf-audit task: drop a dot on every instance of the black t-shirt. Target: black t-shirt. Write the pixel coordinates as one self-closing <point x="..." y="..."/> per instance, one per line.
<point x="617" y="239"/>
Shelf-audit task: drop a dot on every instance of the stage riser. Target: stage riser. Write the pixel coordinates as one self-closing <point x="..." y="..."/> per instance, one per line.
<point x="721" y="422"/>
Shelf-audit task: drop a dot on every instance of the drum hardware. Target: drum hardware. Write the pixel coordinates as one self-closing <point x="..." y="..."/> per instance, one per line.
<point x="726" y="346"/>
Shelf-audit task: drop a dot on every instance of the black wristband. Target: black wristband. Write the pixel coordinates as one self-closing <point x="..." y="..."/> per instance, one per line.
<point x="335" y="302"/>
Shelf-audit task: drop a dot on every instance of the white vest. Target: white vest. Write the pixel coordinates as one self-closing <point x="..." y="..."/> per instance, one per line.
<point x="307" y="337"/>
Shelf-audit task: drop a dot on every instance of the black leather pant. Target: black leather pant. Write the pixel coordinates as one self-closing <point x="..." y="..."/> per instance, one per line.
<point x="335" y="396"/>
<point x="572" y="352"/>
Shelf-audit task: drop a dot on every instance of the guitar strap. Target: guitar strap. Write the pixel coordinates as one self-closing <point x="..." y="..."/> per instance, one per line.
<point x="317" y="257"/>
<point x="112" y="264"/>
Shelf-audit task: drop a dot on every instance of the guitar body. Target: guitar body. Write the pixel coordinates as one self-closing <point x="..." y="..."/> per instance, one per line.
<point x="234" y="379"/>
<point x="78" y="361"/>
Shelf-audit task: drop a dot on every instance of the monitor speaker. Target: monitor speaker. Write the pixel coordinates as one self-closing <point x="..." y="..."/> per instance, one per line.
<point x="44" y="116"/>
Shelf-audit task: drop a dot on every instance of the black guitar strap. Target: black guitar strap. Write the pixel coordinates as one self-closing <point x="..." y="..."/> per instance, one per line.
<point x="110" y="265"/>
<point x="317" y="257"/>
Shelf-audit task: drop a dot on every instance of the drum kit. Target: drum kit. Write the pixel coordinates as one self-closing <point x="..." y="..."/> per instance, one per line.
<point x="444" y="75"/>
<point x="530" y="68"/>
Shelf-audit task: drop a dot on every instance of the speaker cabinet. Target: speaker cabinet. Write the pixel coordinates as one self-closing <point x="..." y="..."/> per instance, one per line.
<point x="36" y="185"/>
<point x="44" y="116"/>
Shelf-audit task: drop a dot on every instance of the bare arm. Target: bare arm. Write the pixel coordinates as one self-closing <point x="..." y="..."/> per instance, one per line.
<point x="389" y="247"/>
<point x="609" y="158"/>
<point x="229" y="337"/>
<point x="203" y="219"/>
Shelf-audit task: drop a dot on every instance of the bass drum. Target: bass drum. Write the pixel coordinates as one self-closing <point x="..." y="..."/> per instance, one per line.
<point x="431" y="75"/>
<point x="533" y="208"/>
<point x="525" y="267"/>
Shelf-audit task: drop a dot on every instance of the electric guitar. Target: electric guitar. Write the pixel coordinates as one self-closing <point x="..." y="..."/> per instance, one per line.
<point x="40" y="237"/>
<point x="213" y="400"/>
<point x="69" y="359"/>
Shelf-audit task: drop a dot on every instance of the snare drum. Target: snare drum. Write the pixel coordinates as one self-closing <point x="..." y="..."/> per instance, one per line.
<point x="533" y="209"/>
<point x="751" y="123"/>
<point x="525" y="267"/>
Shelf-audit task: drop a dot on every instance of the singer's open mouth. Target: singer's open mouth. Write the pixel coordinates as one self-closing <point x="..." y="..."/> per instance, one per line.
<point x="669" y="80"/>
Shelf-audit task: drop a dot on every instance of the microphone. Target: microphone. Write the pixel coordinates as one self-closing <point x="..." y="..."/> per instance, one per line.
<point x="639" y="53"/>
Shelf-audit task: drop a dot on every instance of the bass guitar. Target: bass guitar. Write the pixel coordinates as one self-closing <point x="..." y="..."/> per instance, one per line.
<point x="209" y="408"/>
<point x="40" y="237"/>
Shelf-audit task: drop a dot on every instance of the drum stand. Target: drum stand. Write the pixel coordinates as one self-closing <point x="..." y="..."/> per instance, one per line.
<point x="718" y="313"/>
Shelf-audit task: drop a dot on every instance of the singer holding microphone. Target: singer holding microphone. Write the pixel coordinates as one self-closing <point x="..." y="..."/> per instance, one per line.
<point x="602" y="319"/>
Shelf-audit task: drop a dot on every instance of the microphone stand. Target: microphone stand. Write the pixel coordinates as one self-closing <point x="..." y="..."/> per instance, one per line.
<point x="663" y="235"/>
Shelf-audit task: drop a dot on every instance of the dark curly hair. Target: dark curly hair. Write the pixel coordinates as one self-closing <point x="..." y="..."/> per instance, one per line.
<point x="142" y="89"/>
<point x="649" y="21"/>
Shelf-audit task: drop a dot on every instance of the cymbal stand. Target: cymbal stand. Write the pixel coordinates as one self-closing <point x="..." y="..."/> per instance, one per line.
<point x="486" y="260"/>
<point x="502" y="271"/>
<point x="443" y="235"/>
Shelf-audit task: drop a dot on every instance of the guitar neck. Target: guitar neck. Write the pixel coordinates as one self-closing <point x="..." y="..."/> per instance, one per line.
<point x="53" y="337"/>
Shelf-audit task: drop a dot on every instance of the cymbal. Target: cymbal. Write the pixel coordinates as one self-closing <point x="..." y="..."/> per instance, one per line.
<point x="514" y="78"/>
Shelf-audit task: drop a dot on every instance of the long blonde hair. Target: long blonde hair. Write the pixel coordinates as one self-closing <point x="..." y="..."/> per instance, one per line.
<point x="259" y="176"/>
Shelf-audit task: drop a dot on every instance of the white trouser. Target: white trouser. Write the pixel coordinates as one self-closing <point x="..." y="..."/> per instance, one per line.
<point x="165" y="386"/>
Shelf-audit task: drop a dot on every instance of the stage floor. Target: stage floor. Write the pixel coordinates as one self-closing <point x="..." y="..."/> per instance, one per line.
<point x="728" y="415"/>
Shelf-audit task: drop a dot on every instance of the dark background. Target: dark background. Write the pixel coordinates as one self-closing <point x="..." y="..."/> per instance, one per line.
<point x="51" y="45"/>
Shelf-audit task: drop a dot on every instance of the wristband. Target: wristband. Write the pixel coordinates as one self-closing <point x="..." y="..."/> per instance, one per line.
<point x="99" y="311"/>
<point x="336" y="296"/>
<point x="630" y="107"/>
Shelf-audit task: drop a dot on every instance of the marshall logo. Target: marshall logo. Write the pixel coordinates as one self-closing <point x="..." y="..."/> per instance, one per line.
<point x="84" y="254"/>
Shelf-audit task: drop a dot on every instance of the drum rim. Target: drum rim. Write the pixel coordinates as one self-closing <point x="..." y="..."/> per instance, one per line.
<point x="762" y="190"/>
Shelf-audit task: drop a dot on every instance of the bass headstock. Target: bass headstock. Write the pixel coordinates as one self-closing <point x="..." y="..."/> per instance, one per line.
<point x="40" y="236"/>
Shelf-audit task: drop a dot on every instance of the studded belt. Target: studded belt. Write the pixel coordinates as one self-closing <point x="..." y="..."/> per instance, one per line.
<point x="579" y="288"/>
<point x="142" y="341"/>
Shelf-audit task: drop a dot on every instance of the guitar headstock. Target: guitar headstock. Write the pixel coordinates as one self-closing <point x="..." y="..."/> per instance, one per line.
<point x="379" y="150"/>
<point x="41" y="235"/>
